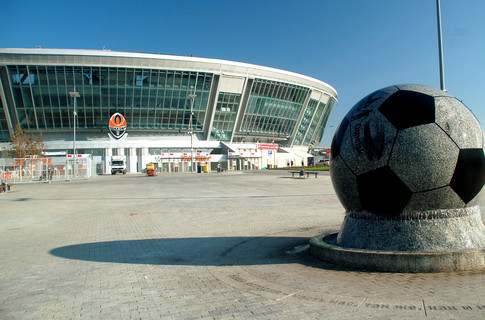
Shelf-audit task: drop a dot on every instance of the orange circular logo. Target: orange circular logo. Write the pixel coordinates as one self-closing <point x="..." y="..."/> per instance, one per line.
<point x="117" y="125"/>
<point x="117" y="120"/>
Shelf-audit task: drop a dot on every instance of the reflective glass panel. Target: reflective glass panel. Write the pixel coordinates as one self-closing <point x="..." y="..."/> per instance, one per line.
<point x="149" y="99"/>
<point x="305" y="121"/>
<point x="313" y="126"/>
<point x="273" y="107"/>
<point x="225" y="116"/>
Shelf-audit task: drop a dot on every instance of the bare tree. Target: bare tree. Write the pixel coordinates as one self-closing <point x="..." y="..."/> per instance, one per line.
<point x="23" y="145"/>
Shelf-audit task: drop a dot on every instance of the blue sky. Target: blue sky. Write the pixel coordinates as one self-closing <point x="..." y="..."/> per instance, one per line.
<point x="356" y="46"/>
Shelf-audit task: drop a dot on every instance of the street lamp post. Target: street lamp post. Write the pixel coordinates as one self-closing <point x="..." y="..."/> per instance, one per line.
<point x="440" y="47"/>
<point x="191" y="97"/>
<point x="74" y="94"/>
<point x="274" y="155"/>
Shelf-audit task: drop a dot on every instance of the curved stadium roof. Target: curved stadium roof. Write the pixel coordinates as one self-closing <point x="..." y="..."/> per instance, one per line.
<point x="233" y="100"/>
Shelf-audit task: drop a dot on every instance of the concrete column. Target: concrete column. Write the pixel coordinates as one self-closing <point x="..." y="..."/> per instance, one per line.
<point x="107" y="160"/>
<point x="143" y="159"/>
<point x="132" y="160"/>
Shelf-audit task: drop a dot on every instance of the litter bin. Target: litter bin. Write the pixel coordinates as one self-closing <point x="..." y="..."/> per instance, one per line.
<point x="206" y="168"/>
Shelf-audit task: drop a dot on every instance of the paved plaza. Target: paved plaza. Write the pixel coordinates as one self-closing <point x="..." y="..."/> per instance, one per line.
<point x="199" y="246"/>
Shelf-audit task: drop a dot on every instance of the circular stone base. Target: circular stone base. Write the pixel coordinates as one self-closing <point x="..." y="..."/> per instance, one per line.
<point x="419" y="231"/>
<point x="324" y="247"/>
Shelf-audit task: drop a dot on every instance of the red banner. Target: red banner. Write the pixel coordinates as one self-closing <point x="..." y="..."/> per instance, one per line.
<point x="268" y="146"/>
<point x="7" y="175"/>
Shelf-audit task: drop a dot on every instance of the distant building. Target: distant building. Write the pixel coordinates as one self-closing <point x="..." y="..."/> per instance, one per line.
<point x="243" y="116"/>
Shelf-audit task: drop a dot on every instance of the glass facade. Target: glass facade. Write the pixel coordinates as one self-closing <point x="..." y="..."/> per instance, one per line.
<point x="273" y="107"/>
<point x="149" y="99"/>
<point x="4" y="133"/>
<point x="326" y="116"/>
<point x="313" y="126"/>
<point x="305" y="121"/>
<point x="225" y="116"/>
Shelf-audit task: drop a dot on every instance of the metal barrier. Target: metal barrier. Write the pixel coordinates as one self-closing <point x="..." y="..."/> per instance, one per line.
<point x="44" y="169"/>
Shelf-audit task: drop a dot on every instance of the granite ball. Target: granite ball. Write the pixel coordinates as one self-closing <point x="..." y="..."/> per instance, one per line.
<point x="408" y="148"/>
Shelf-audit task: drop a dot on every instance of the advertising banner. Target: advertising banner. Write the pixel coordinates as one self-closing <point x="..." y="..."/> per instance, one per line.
<point x="268" y="147"/>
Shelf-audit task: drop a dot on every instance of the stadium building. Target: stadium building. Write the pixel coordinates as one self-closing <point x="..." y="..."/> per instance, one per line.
<point x="176" y="111"/>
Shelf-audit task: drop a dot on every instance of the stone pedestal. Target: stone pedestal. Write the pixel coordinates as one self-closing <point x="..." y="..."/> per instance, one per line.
<point x="430" y="241"/>
<point x="324" y="247"/>
<point x="434" y="230"/>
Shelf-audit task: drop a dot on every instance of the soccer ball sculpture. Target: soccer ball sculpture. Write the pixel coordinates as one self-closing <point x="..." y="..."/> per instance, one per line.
<point x="408" y="165"/>
<point x="408" y="149"/>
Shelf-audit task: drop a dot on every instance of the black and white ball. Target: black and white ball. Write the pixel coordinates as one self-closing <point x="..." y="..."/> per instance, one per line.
<point x="408" y="148"/>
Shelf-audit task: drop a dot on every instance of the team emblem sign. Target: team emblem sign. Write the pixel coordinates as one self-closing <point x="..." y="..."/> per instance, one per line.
<point x="117" y="126"/>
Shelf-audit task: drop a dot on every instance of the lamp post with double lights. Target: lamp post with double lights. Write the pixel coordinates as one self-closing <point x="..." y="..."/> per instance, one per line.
<point x="74" y="94"/>
<point x="191" y="97"/>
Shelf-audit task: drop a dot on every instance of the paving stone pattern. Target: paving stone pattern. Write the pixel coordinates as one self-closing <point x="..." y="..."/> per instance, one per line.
<point x="199" y="246"/>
